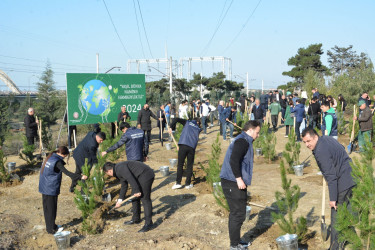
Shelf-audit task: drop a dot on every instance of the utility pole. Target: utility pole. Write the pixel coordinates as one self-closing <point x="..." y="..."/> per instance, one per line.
<point x="97" y="63"/>
<point x="247" y="84"/>
<point x="170" y="77"/>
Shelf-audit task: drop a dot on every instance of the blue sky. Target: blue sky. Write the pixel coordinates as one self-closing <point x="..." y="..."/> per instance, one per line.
<point x="69" y="33"/>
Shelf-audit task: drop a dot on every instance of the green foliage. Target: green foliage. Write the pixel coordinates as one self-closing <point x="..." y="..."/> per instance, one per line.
<point x="312" y="80"/>
<point x="287" y="202"/>
<point x="4" y="119"/>
<point x="292" y="151"/>
<point x="27" y="153"/>
<point x="260" y="141"/>
<point x="306" y="58"/>
<point x="356" y="124"/>
<point x="87" y="199"/>
<point x="241" y="121"/>
<point x="48" y="106"/>
<point x="340" y="122"/>
<point x="269" y="146"/>
<point x="109" y="141"/>
<point x="47" y="137"/>
<point x="4" y="175"/>
<point x="213" y="173"/>
<point x="178" y="132"/>
<point x="342" y="59"/>
<point x="356" y="223"/>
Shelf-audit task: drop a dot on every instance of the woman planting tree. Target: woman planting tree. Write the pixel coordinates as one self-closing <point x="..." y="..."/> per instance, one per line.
<point x="50" y="182"/>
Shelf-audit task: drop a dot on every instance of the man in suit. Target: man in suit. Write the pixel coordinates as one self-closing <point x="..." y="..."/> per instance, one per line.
<point x="334" y="163"/>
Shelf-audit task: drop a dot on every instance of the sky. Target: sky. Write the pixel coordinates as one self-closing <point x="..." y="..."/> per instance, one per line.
<point x="259" y="36"/>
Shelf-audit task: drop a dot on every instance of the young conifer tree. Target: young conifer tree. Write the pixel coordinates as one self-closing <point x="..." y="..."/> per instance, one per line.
<point x="269" y="146"/>
<point x="4" y="175"/>
<point x="287" y="202"/>
<point x="356" y="223"/>
<point x="27" y="153"/>
<point x="292" y="151"/>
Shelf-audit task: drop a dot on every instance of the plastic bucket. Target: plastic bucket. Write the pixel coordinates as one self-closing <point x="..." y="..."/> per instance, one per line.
<point x="287" y="242"/>
<point x="62" y="239"/>
<point x="11" y="166"/>
<point x="258" y="152"/>
<point x="248" y="211"/>
<point x="298" y="170"/>
<point x="216" y="186"/>
<point x="164" y="170"/>
<point x="173" y="162"/>
<point x="168" y="146"/>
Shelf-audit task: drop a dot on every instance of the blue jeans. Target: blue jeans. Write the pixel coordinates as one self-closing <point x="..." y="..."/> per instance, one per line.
<point x="282" y="115"/>
<point x="224" y="129"/>
<point x="203" y="121"/>
<point x="231" y="127"/>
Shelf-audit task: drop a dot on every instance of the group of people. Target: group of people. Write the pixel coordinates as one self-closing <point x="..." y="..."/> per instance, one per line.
<point x="236" y="173"/>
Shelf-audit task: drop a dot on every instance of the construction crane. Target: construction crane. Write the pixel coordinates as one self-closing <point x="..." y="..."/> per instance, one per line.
<point x="6" y="79"/>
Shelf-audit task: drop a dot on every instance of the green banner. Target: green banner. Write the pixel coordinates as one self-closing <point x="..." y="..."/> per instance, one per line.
<point x="94" y="98"/>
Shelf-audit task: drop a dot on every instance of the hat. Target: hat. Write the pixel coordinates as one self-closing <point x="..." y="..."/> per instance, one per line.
<point x="361" y="102"/>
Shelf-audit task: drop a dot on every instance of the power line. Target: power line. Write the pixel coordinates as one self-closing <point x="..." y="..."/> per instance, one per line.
<point x="37" y="66"/>
<point x="144" y="28"/>
<point x="217" y="28"/>
<point x="34" y="60"/>
<point x="243" y="27"/>
<point x="113" y="24"/>
<point x="139" y="32"/>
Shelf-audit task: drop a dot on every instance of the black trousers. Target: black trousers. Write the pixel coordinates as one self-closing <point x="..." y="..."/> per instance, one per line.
<point x="145" y="184"/>
<point x="70" y="135"/>
<point x="30" y="140"/>
<point x="146" y="141"/>
<point x="113" y="129"/>
<point x="342" y="198"/>
<point x="274" y="119"/>
<point x="236" y="199"/>
<point x="183" y="153"/>
<point x="161" y="131"/>
<point x="298" y="124"/>
<point x="50" y="210"/>
<point x="78" y="171"/>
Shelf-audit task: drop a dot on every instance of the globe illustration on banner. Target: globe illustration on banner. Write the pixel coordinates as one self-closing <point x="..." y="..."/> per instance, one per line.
<point x="95" y="97"/>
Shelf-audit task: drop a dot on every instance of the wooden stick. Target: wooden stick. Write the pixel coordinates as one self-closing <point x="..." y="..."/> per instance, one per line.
<point x="171" y="134"/>
<point x="122" y="202"/>
<point x="116" y="128"/>
<point x="235" y="125"/>
<point x="353" y="128"/>
<point x="161" y="129"/>
<point x="40" y="136"/>
<point x="257" y="205"/>
<point x="74" y="138"/>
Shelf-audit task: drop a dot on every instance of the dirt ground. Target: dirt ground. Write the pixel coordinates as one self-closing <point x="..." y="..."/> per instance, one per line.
<point x="184" y="219"/>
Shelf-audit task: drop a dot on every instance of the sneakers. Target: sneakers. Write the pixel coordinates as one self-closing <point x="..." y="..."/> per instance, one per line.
<point x="176" y="186"/>
<point x="285" y="136"/>
<point x="245" y="244"/>
<point x="238" y="247"/>
<point x="189" y="186"/>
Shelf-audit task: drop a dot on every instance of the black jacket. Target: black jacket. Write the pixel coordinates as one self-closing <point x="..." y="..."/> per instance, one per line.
<point x="131" y="172"/>
<point x="334" y="163"/>
<point x="144" y="118"/>
<point x="283" y="103"/>
<point x="31" y="126"/>
<point x="120" y="117"/>
<point x="258" y="112"/>
<point x="86" y="149"/>
<point x="159" y="114"/>
<point x="314" y="109"/>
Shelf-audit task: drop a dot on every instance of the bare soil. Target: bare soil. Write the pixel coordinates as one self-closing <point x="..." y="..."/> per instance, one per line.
<point x="184" y="219"/>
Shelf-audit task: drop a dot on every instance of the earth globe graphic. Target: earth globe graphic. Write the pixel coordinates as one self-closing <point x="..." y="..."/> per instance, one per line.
<point x="95" y="97"/>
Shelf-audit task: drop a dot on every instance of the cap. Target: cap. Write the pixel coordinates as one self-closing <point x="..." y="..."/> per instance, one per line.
<point x="361" y="102"/>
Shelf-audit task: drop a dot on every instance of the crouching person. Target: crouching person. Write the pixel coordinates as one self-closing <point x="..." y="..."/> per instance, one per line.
<point x="50" y="182"/>
<point x="140" y="177"/>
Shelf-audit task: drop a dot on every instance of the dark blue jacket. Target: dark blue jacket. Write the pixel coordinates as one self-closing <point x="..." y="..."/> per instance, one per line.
<point x="334" y="124"/>
<point x="86" y="149"/>
<point x="299" y="111"/>
<point x="258" y="112"/>
<point x="246" y="165"/>
<point x="225" y="114"/>
<point x="133" y="140"/>
<point x="50" y="180"/>
<point x="190" y="134"/>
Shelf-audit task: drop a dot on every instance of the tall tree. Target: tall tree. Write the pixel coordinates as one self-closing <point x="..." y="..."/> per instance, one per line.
<point x="306" y="58"/>
<point x="341" y="59"/>
<point x="182" y="86"/>
<point x="216" y="82"/>
<point x="4" y="119"/>
<point x="47" y="104"/>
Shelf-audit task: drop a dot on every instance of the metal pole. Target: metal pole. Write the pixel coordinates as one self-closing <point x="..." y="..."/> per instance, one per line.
<point x="201" y="78"/>
<point x="170" y="77"/>
<point x="97" y="63"/>
<point x="247" y="84"/>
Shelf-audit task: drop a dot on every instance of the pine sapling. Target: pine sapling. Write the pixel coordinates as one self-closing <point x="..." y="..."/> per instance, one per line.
<point x="269" y="147"/>
<point x="340" y="122"/>
<point x="292" y="151"/>
<point x="356" y="223"/>
<point x="287" y="202"/>
<point x="27" y="153"/>
<point x="114" y="155"/>
<point x="4" y="175"/>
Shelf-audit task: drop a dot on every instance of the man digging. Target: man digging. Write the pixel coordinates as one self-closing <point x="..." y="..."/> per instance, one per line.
<point x="334" y="163"/>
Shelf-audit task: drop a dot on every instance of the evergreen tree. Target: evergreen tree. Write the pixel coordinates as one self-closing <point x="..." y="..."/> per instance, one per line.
<point x="114" y="155"/>
<point x="48" y="104"/>
<point x="27" y="153"/>
<point x="213" y="173"/>
<point x="356" y="223"/>
<point x="4" y="119"/>
<point x="340" y="122"/>
<point x="87" y="199"/>
<point x="292" y="151"/>
<point x="269" y="146"/>
<point x="4" y="175"/>
<point x="287" y="202"/>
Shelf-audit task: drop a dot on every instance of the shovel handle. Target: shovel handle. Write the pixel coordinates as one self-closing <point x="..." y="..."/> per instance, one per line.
<point x="122" y="202"/>
<point x="235" y="125"/>
<point x="257" y="205"/>
<point x="174" y="140"/>
<point x="323" y="196"/>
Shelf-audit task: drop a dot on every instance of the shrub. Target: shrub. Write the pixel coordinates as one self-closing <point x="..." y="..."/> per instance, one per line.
<point x="292" y="151"/>
<point x="27" y="153"/>
<point x="4" y="175"/>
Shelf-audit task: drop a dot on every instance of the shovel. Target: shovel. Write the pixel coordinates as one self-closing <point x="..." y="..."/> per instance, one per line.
<point x="323" y="225"/>
<point x="161" y="130"/>
<point x="122" y="202"/>
<point x="350" y="147"/>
